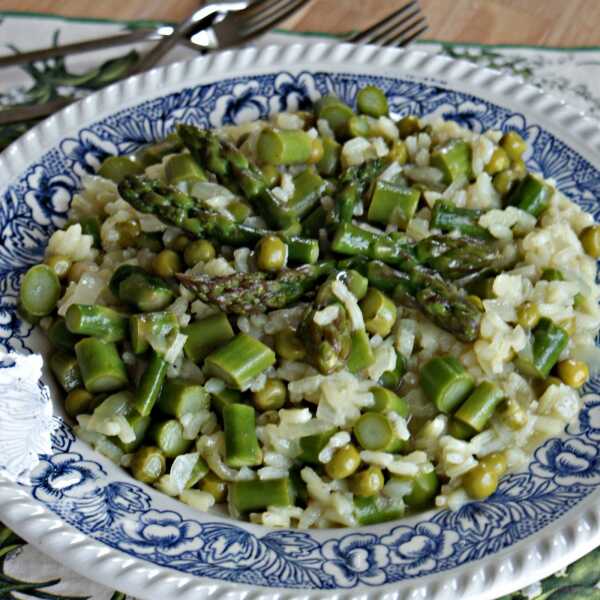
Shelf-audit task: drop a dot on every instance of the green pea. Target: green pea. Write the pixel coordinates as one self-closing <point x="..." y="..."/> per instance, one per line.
<point x="590" y="240"/>
<point x="528" y="315"/>
<point x="272" y="396"/>
<point x="496" y="462"/>
<point x="180" y="243"/>
<point x="167" y="263"/>
<point x="408" y="126"/>
<point x="573" y="372"/>
<point x="272" y="253"/>
<point x="40" y="291"/>
<point x="368" y="482"/>
<point x="371" y="101"/>
<point x="128" y="232"/>
<point x="239" y="210"/>
<point x="198" y="251"/>
<point x="480" y="482"/>
<point x="344" y="463"/>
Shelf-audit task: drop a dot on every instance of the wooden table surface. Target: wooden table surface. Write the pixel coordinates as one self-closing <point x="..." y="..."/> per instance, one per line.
<point x="538" y="22"/>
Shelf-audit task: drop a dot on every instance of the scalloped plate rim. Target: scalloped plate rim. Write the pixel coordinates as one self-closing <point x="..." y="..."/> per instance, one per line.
<point x="136" y="576"/>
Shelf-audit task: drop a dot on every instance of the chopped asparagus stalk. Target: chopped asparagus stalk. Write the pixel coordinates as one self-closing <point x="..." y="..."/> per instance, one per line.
<point x="40" y="290"/>
<point x="150" y="385"/>
<point x="361" y="354"/>
<point x="148" y="464"/>
<point x="223" y="398"/>
<point x="91" y="226"/>
<point x="371" y="101"/>
<point x="531" y="195"/>
<point x="445" y="382"/>
<point x="140" y="425"/>
<point x="479" y="407"/>
<point x="101" y="366"/>
<point x="336" y="113"/>
<point x="152" y="154"/>
<point x="308" y="189"/>
<point x="182" y="168"/>
<point x="370" y="510"/>
<point x="258" y="494"/>
<point x="284" y="147"/>
<point x="117" y="167"/>
<point x="379" y="312"/>
<point x="538" y="358"/>
<point x="330" y="162"/>
<point x="145" y="292"/>
<point x="386" y="400"/>
<point x="168" y="436"/>
<point x="460" y="430"/>
<point x="240" y="360"/>
<point x="449" y="217"/>
<point x="65" y="368"/>
<point x="205" y="335"/>
<point x="241" y="443"/>
<point x="180" y="397"/>
<point x="311" y="446"/>
<point x="60" y="337"/>
<point x="97" y="321"/>
<point x="425" y="487"/>
<point x="393" y="204"/>
<point x="157" y="327"/>
<point x="453" y="159"/>
<point x="374" y="431"/>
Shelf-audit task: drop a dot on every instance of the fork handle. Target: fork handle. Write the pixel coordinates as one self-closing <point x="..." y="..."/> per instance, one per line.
<point x="121" y="39"/>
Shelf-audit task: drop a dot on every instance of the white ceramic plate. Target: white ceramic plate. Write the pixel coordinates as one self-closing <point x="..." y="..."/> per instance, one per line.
<point x="76" y="506"/>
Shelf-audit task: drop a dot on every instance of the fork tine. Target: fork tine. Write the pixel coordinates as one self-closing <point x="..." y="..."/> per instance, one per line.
<point x="391" y="28"/>
<point x="277" y="11"/>
<point x="388" y="37"/>
<point x="407" y="40"/>
<point x="366" y="35"/>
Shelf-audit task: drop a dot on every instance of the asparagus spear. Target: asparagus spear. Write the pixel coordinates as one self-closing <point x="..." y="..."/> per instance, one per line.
<point x="178" y="208"/>
<point x="442" y="302"/>
<point x="425" y="290"/>
<point x="452" y="258"/>
<point x="175" y="207"/>
<point x="244" y="293"/>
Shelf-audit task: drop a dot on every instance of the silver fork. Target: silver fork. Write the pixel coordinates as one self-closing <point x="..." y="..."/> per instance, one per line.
<point x="236" y="28"/>
<point x="398" y="29"/>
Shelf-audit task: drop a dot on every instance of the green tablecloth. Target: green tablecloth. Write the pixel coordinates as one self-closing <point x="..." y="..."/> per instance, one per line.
<point x="572" y="73"/>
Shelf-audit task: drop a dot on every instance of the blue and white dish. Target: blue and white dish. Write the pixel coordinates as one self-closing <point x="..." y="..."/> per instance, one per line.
<point x="78" y="507"/>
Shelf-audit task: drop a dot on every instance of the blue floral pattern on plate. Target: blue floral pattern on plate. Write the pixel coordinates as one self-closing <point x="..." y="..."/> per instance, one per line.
<point x="121" y="514"/>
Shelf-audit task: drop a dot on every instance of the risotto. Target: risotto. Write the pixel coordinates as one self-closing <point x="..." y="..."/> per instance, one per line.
<point x="334" y="317"/>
